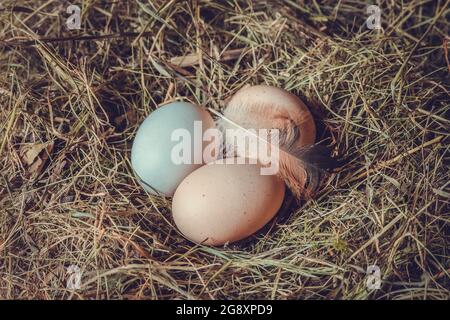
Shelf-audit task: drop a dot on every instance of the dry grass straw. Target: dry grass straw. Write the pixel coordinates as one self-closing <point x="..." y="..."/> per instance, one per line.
<point x="71" y="102"/>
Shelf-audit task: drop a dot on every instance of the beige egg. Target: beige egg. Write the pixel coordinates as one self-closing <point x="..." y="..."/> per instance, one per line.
<point x="220" y="203"/>
<point x="269" y="107"/>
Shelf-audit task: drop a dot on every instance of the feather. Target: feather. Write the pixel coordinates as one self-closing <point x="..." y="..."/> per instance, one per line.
<point x="304" y="168"/>
<point x="300" y="167"/>
<point x="301" y="163"/>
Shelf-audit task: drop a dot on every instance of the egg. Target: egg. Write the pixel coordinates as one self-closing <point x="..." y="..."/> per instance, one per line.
<point x="263" y="106"/>
<point x="220" y="203"/>
<point x="152" y="153"/>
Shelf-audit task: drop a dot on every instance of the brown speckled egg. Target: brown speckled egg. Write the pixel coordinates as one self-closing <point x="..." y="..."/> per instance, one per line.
<point x="220" y="203"/>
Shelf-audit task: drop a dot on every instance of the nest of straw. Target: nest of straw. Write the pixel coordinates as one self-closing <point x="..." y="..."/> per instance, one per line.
<point x="72" y="100"/>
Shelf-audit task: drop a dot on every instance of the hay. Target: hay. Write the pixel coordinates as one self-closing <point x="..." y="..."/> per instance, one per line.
<point x="71" y="104"/>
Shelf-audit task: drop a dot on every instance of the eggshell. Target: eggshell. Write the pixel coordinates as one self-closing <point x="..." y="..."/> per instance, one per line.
<point x="263" y="106"/>
<point x="221" y="203"/>
<point x="152" y="147"/>
<point x="267" y="107"/>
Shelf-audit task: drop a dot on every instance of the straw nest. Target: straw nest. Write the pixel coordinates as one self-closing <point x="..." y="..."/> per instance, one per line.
<point x="72" y="100"/>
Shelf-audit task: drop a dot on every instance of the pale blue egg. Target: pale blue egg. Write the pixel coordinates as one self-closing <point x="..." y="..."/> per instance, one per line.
<point x="153" y="147"/>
